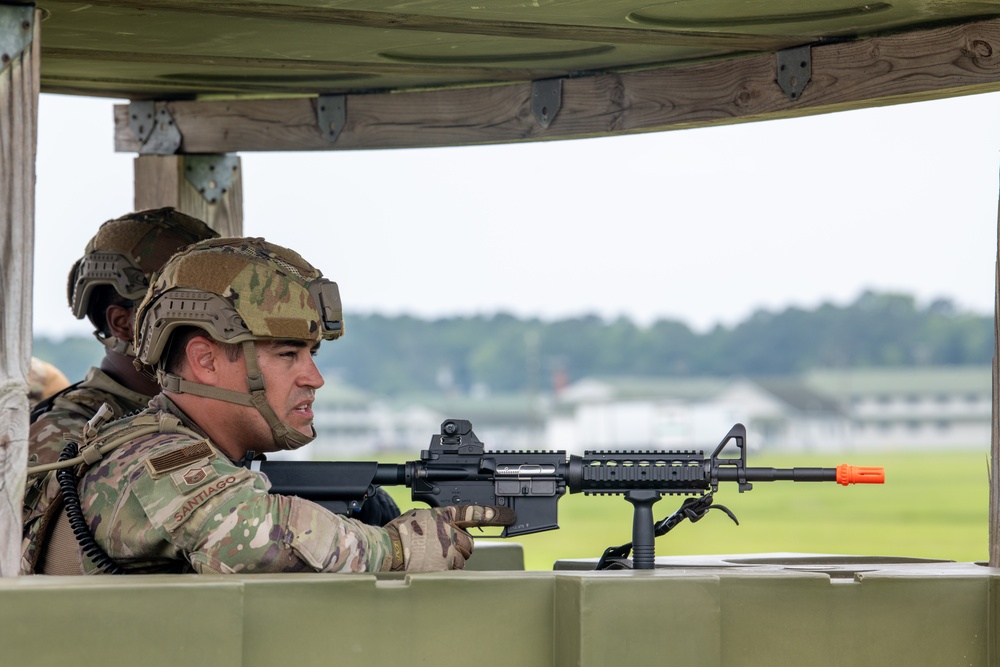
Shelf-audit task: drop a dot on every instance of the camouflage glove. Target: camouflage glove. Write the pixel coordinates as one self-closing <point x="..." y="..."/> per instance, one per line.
<point x="435" y="539"/>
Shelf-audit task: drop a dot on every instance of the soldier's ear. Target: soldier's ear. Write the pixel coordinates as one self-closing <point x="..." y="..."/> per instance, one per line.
<point x="202" y="356"/>
<point x="120" y="321"/>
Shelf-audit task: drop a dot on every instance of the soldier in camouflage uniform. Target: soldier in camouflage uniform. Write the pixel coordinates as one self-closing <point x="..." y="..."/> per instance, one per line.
<point x="103" y="285"/>
<point x="230" y="327"/>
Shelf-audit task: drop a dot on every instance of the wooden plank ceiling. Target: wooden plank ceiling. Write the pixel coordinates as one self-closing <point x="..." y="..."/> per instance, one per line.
<point x="190" y="49"/>
<point x="219" y="51"/>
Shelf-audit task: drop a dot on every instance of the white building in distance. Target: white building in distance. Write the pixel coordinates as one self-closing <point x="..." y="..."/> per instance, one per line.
<point x="828" y="410"/>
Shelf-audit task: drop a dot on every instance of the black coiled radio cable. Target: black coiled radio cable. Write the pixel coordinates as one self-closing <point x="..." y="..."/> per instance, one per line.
<point x="71" y="502"/>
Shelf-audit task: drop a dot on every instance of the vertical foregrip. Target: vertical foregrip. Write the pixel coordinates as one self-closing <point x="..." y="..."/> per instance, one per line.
<point x="643" y="533"/>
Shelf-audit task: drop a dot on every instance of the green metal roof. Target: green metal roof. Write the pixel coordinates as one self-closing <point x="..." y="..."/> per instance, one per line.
<point x="636" y="387"/>
<point x="929" y="379"/>
<point x="513" y="408"/>
<point x="185" y="49"/>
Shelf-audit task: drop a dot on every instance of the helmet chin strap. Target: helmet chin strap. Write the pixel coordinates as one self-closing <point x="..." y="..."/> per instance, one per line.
<point x="116" y="344"/>
<point x="285" y="437"/>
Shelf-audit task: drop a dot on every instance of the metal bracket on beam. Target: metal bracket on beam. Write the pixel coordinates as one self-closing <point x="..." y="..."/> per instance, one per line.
<point x="154" y="127"/>
<point x="546" y="100"/>
<point x="140" y="119"/>
<point x="331" y="114"/>
<point x="211" y="175"/>
<point x="16" y="32"/>
<point x="794" y="70"/>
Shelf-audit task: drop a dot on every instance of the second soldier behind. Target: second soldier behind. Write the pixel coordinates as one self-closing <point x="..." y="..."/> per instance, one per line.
<point x="103" y="286"/>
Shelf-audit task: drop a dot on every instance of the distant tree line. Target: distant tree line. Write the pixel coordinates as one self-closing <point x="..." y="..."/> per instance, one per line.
<point x="502" y="353"/>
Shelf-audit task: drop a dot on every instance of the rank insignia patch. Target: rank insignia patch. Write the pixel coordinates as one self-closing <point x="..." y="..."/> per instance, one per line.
<point x="194" y="476"/>
<point x="191" y="478"/>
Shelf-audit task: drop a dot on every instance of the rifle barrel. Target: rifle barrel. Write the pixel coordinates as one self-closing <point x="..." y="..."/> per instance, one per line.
<point x="843" y="474"/>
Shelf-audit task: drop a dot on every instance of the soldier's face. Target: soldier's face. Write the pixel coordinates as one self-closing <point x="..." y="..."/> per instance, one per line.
<point x="290" y="380"/>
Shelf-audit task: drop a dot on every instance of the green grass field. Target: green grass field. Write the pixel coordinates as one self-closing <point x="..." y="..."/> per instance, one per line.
<point x="933" y="505"/>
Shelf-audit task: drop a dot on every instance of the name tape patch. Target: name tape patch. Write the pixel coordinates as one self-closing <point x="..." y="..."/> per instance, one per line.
<point x="187" y="507"/>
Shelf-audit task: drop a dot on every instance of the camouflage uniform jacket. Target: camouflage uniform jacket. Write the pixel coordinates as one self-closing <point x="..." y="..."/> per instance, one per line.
<point x="71" y="409"/>
<point x="170" y="501"/>
<point x="63" y="421"/>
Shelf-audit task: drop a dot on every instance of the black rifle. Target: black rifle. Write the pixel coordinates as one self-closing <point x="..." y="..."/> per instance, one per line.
<point x="457" y="470"/>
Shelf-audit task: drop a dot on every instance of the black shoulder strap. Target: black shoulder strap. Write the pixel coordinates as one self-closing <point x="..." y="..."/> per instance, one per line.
<point x="45" y="405"/>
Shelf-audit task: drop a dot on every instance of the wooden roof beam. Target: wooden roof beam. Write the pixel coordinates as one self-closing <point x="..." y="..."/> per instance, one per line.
<point x="920" y="65"/>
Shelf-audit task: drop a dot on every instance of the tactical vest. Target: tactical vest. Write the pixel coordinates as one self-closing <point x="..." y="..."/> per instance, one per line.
<point x="59" y="540"/>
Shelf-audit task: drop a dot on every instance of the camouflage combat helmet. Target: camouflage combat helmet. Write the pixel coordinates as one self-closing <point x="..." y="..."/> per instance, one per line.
<point x="237" y="290"/>
<point x="124" y="254"/>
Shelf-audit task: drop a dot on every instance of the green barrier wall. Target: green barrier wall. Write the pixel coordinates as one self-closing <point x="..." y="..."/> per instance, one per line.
<point x="732" y="611"/>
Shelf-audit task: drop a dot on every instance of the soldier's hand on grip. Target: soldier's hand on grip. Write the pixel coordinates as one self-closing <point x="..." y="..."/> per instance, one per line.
<point x="434" y="539"/>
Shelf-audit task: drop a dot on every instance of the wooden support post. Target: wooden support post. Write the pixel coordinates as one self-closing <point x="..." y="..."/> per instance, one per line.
<point x="19" y="87"/>
<point x="170" y="180"/>
<point x="994" y="534"/>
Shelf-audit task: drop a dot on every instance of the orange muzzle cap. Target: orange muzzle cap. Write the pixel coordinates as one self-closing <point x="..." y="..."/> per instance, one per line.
<point x="860" y="475"/>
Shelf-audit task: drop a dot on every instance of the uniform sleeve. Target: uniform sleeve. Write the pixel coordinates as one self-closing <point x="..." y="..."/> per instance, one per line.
<point x="48" y="435"/>
<point x="224" y="521"/>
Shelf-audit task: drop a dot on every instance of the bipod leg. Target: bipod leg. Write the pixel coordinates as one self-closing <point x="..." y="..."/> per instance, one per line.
<point x="643" y="536"/>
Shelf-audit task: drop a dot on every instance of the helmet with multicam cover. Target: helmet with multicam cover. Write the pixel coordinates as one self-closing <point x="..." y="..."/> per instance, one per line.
<point x="122" y="257"/>
<point x="237" y="291"/>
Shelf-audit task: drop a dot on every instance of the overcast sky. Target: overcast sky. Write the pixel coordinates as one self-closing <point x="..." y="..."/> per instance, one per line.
<point x="704" y="226"/>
